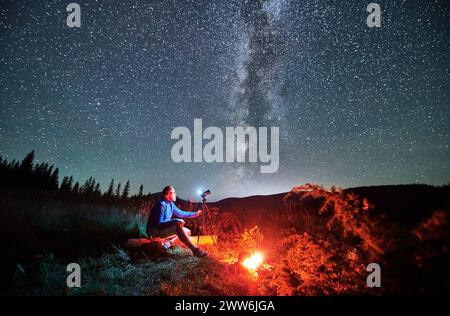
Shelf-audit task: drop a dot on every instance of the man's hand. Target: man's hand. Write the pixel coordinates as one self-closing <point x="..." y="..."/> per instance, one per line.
<point x="198" y="213"/>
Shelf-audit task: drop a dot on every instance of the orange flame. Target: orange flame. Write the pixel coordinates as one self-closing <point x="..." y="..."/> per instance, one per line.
<point x="253" y="262"/>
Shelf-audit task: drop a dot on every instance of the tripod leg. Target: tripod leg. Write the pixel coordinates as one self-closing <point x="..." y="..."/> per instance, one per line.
<point x="208" y="222"/>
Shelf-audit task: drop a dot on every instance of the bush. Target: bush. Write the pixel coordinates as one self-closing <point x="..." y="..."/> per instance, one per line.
<point x="305" y="266"/>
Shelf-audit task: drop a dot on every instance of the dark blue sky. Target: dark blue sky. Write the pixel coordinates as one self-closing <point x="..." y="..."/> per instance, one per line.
<point x="355" y="105"/>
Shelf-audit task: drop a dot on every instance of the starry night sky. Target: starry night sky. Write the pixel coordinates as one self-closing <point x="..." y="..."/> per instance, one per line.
<point x="355" y="105"/>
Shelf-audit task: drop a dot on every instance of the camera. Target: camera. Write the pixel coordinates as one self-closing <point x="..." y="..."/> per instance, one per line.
<point x="204" y="194"/>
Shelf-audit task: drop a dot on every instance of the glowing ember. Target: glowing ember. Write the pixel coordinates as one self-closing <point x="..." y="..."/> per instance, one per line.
<point x="253" y="262"/>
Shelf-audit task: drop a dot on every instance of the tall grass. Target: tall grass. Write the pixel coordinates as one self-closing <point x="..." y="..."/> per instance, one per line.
<point x="31" y="212"/>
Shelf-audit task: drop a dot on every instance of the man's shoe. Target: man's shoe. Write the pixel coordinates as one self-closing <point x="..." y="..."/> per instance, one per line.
<point x="168" y="245"/>
<point x="200" y="253"/>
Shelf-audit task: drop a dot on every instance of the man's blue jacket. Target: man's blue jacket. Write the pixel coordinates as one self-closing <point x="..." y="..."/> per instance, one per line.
<point x="161" y="215"/>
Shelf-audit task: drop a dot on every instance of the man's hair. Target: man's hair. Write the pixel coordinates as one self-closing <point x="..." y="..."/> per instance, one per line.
<point x="166" y="190"/>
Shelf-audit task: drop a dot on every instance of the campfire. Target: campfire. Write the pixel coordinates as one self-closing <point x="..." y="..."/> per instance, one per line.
<point x="253" y="262"/>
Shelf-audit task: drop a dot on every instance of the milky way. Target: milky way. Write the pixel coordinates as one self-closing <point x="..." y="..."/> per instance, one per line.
<point x="260" y="75"/>
<point x="355" y="105"/>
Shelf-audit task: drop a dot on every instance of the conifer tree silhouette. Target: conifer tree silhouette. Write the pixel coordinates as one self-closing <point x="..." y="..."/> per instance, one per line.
<point x="76" y="188"/>
<point x="109" y="193"/>
<point x="97" y="190"/>
<point x="118" y="190"/>
<point x="65" y="184"/>
<point x="27" y="163"/>
<point x="141" y="190"/>
<point x="70" y="183"/>
<point x="54" y="181"/>
<point x="126" y="190"/>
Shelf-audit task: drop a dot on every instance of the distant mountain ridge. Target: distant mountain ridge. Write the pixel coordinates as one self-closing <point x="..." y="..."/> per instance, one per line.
<point x="415" y="200"/>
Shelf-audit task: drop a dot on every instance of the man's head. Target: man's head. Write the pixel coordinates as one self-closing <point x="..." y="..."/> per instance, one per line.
<point x="169" y="193"/>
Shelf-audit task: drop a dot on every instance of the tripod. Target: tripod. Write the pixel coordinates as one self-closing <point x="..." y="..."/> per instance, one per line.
<point x="206" y="224"/>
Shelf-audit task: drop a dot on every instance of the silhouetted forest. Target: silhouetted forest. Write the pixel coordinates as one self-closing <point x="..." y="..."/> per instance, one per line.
<point x="27" y="175"/>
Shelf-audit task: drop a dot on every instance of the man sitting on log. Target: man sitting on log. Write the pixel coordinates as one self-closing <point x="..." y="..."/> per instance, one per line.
<point x="161" y="224"/>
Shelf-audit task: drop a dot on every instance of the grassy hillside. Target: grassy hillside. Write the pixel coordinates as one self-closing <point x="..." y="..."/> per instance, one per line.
<point x="315" y="241"/>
